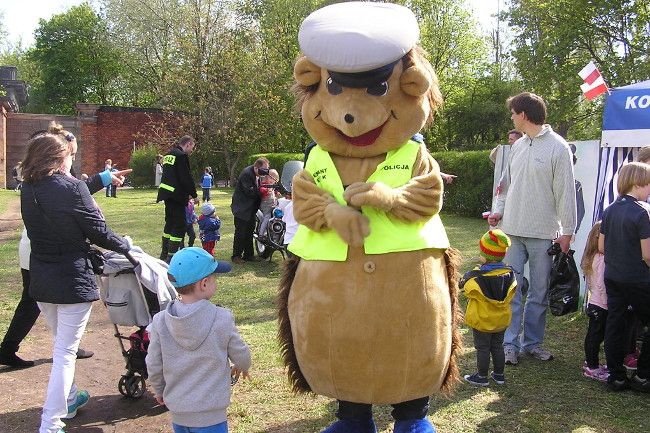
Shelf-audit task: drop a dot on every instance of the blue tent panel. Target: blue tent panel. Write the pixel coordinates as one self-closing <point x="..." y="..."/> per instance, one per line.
<point x="626" y="118"/>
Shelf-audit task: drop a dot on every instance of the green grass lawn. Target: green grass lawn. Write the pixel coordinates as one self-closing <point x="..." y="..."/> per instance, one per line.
<point x="538" y="397"/>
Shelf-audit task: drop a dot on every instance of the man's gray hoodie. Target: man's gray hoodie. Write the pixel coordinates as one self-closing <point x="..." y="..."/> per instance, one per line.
<point x="187" y="361"/>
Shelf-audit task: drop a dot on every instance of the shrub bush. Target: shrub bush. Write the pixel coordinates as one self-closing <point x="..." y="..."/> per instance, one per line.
<point x="469" y="195"/>
<point x="276" y="160"/>
<point x="471" y="192"/>
<point x="143" y="162"/>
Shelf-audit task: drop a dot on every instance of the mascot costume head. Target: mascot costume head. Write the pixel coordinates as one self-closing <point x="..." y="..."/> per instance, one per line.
<point x="368" y="310"/>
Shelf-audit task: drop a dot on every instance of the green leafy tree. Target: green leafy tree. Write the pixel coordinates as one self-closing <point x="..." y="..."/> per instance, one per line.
<point x="554" y="40"/>
<point x="76" y="61"/>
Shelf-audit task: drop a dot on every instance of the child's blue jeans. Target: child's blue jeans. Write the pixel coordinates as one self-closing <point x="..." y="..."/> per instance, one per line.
<point x="217" y="428"/>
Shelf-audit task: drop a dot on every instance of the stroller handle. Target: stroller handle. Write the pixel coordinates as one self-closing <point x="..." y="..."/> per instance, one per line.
<point x="130" y="258"/>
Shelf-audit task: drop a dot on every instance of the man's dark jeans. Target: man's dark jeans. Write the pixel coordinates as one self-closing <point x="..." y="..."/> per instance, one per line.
<point x="27" y="312"/>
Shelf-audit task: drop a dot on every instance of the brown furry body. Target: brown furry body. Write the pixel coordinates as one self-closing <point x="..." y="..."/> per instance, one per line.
<point x="375" y="328"/>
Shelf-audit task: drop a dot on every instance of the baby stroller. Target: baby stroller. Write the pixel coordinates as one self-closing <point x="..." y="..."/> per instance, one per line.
<point x="134" y="287"/>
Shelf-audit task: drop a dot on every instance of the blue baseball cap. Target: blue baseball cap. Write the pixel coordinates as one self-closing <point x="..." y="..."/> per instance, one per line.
<point x="192" y="264"/>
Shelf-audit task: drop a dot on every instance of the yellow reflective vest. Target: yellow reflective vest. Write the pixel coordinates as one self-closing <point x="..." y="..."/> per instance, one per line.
<point x="483" y="312"/>
<point x="387" y="233"/>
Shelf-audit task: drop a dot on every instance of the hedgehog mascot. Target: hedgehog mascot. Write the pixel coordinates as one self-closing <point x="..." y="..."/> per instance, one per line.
<point x="367" y="310"/>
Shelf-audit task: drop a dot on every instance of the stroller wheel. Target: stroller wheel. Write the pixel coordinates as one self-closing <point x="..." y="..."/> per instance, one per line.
<point x="132" y="386"/>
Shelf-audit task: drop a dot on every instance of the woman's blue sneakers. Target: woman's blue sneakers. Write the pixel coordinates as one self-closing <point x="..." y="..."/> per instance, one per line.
<point x="80" y="401"/>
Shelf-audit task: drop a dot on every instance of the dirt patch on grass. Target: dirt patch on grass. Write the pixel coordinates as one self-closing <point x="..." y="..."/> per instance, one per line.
<point x="10" y="221"/>
<point x="107" y="410"/>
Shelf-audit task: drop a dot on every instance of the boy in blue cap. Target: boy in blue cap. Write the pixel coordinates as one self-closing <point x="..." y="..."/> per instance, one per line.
<point x="190" y="345"/>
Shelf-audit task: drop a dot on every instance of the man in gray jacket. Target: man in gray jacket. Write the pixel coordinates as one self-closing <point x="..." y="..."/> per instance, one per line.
<point x="537" y="206"/>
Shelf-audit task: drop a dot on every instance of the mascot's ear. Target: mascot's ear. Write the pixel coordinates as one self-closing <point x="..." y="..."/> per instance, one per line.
<point x="305" y="72"/>
<point x="415" y="81"/>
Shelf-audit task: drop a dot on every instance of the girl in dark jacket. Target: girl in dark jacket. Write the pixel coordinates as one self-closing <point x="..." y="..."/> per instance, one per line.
<point x="61" y="217"/>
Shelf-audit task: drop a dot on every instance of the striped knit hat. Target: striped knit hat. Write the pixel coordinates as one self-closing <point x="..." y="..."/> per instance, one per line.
<point x="493" y="245"/>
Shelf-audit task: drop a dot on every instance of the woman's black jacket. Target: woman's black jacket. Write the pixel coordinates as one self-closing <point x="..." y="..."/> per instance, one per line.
<point x="59" y="269"/>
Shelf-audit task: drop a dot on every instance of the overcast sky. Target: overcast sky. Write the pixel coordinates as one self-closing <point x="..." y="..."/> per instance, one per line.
<point x="21" y="16"/>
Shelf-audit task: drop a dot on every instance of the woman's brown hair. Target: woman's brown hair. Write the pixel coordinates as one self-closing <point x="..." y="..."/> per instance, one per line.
<point x="45" y="155"/>
<point x="591" y="249"/>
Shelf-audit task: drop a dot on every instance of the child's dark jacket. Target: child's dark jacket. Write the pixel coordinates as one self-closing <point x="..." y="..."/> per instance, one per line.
<point x="209" y="228"/>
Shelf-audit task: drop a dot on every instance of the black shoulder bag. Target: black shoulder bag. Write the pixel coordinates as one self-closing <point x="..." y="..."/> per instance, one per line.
<point x="93" y="255"/>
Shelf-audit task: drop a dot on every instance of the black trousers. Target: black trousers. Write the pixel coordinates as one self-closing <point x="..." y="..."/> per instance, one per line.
<point x="412" y="409"/>
<point x="24" y="318"/>
<point x="191" y="234"/>
<point x="206" y="194"/>
<point x="619" y="296"/>
<point x="487" y="343"/>
<point x="174" y="220"/>
<point x="242" y="245"/>
<point x="595" y="334"/>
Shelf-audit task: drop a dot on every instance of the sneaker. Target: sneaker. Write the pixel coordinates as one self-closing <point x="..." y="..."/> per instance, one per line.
<point x="238" y="260"/>
<point x="500" y="379"/>
<point x="80" y="401"/>
<point x="83" y="354"/>
<point x="601" y="366"/>
<point x="630" y="362"/>
<point x="538" y="352"/>
<point x="617" y="385"/>
<point x="600" y="374"/>
<point x="639" y="384"/>
<point x="512" y="357"/>
<point x="476" y="380"/>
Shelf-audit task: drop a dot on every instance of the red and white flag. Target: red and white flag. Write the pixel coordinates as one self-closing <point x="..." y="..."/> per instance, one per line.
<point x="594" y="84"/>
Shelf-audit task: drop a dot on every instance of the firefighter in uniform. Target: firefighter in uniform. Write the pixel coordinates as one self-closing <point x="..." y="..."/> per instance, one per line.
<point x="176" y="187"/>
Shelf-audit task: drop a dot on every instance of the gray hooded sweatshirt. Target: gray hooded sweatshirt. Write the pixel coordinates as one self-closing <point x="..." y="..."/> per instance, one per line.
<point x="187" y="361"/>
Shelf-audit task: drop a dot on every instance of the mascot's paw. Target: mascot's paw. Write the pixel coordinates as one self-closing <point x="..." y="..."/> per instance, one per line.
<point x="414" y="426"/>
<point x="350" y="224"/>
<point x="349" y="426"/>
<point x="375" y="194"/>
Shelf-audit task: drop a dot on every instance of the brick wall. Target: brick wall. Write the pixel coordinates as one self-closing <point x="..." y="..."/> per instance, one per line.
<point x="112" y="133"/>
<point x="102" y="132"/>
<point x="21" y="126"/>
<point x="3" y="147"/>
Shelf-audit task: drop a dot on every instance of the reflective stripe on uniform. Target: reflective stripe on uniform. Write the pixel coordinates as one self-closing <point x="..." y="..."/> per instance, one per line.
<point x="175" y="239"/>
<point x="167" y="187"/>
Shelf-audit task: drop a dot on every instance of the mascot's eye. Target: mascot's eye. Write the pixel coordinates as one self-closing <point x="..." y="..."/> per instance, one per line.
<point x="333" y="88"/>
<point x="379" y="90"/>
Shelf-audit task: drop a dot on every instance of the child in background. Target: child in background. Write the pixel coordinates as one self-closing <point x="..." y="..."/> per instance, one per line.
<point x="108" y="165"/>
<point x="191" y="346"/>
<point x="209" y="225"/>
<point x="190" y="220"/>
<point x="593" y="267"/>
<point x="206" y="184"/>
<point x="625" y="241"/>
<point x="269" y="199"/>
<point x="489" y="289"/>
<point x="291" y="225"/>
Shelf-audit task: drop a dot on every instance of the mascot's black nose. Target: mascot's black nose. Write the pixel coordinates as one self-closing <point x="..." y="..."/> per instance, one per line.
<point x="349" y="118"/>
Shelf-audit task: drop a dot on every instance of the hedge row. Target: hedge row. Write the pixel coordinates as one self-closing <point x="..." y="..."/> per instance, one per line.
<point x="470" y="194"/>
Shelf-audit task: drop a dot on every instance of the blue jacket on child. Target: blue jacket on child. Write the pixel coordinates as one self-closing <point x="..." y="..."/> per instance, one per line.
<point x="206" y="182"/>
<point x="209" y="228"/>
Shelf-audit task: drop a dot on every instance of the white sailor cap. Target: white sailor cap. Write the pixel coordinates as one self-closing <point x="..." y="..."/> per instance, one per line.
<point x="358" y="37"/>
